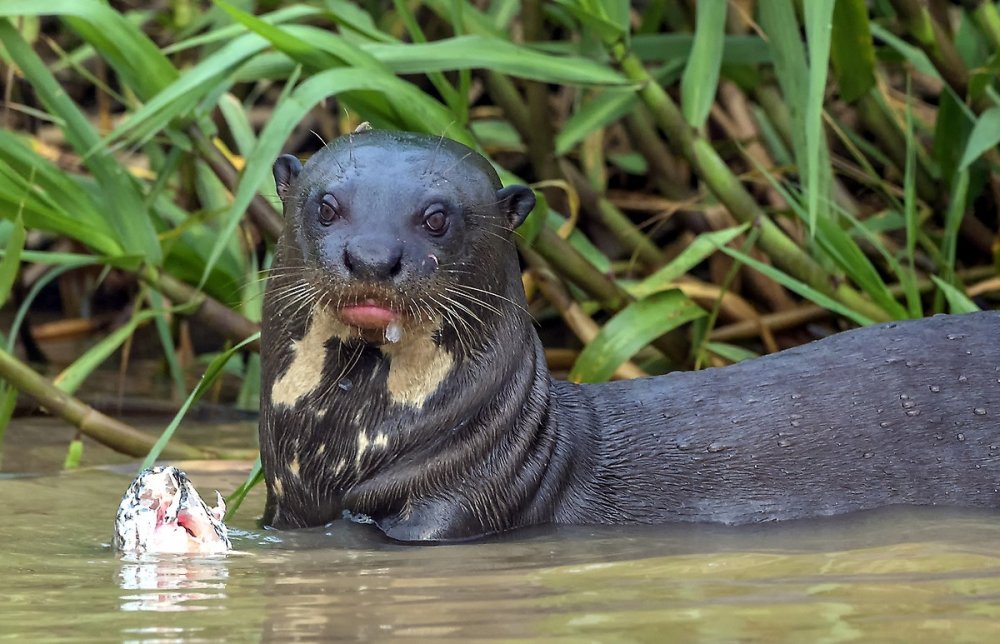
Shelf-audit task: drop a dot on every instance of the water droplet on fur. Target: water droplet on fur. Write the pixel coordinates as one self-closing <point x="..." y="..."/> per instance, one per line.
<point x="954" y="336"/>
<point x="979" y="411"/>
<point x="884" y="424"/>
<point x="908" y="404"/>
<point x="784" y="442"/>
<point x="716" y="447"/>
<point x="963" y="379"/>
<point x="934" y="388"/>
<point x="868" y="454"/>
<point x="393" y="332"/>
<point x="912" y="412"/>
<point x="960" y="436"/>
<point x="345" y="384"/>
<point x="904" y="397"/>
<point x="796" y="396"/>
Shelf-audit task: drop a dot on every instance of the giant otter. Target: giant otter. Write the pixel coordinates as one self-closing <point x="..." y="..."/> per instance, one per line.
<point x="403" y="382"/>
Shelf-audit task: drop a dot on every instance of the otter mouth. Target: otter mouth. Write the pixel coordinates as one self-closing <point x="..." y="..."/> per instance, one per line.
<point x="378" y="315"/>
<point x="369" y="314"/>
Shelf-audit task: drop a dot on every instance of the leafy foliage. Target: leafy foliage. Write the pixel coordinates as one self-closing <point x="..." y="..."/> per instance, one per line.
<point x="818" y="161"/>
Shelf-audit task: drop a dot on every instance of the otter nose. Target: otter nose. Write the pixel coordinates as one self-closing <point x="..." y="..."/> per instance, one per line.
<point x="374" y="259"/>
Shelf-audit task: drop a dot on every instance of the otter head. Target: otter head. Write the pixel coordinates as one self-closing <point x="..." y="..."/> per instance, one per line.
<point x="394" y="232"/>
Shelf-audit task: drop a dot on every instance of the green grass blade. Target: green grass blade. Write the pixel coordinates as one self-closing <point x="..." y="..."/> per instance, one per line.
<point x="238" y="124"/>
<point x="601" y="110"/>
<point x="914" y="55"/>
<point x="127" y="212"/>
<point x="952" y="222"/>
<point x="985" y="136"/>
<point x="484" y="52"/>
<point x="782" y="28"/>
<point x="958" y="302"/>
<point x="230" y="31"/>
<point x="952" y="132"/>
<point x="180" y="96"/>
<point x="235" y="500"/>
<point x="696" y="252"/>
<point x="731" y="352"/>
<point x="819" y="20"/>
<point x="43" y="195"/>
<point x="36" y="288"/>
<point x="603" y="17"/>
<point x="631" y="329"/>
<point x="457" y="103"/>
<point x="164" y="331"/>
<point x="212" y="372"/>
<point x="74" y="453"/>
<point x="907" y="277"/>
<point x="839" y="247"/>
<point x="10" y="265"/>
<point x="581" y="243"/>
<point x="70" y="378"/>
<point x="354" y="18"/>
<point x="852" y="51"/>
<point x="701" y="75"/>
<point x="136" y="59"/>
<point x="736" y="50"/>
<point x="8" y="402"/>
<point x="796" y="286"/>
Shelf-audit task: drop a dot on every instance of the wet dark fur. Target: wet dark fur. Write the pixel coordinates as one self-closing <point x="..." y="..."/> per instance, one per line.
<point x="897" y="413"/>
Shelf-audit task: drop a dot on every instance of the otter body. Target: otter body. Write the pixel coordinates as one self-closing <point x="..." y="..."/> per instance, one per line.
<point x="403" y="382"/>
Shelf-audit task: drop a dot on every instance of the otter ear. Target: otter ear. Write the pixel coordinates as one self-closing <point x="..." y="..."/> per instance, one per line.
<point x="515" y="202"/>
<point x="286" y="168"/>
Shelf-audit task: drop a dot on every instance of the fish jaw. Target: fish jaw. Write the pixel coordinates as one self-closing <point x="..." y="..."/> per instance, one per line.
<point x="162" y="513"/>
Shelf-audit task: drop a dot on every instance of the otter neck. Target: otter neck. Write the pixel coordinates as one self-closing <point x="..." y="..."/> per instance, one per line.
<point x="487" y="409"/>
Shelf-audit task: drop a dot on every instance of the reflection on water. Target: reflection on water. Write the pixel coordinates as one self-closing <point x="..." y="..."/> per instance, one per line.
<point x="892" y="575"/>
<point x="172" y="583"/>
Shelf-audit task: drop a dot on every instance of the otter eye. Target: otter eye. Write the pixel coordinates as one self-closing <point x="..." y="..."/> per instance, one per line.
<point x="329" y="210"/>
<point x="436" y="222"/>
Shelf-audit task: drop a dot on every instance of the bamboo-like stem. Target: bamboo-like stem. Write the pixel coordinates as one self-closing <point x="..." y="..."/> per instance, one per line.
<point x="988" y="19"/>
<point x="574" y="267"/>
<point x="92" y="423"/>
<point x="808" y="312"/>
<point x="504" y="93"/>
<point x="727" y="188"/>
<point x="935" y="42"/>
<point x="204" y="308"/>
<point x="599" y="208"/>
<point x="888" y="132"/>
<point x="576" y="319"/>
<point x="540" y="137"/>
<point x="260" y="212"/>
<point x="668" y="174"/>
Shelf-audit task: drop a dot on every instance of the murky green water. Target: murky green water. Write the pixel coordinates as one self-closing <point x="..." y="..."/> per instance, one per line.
<point x="893" y="575"/>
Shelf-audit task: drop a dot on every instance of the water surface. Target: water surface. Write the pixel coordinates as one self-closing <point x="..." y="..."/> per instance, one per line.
<point x="899" y="574"/>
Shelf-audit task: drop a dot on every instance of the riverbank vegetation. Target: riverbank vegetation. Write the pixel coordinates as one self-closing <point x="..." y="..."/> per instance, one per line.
<point x="717" y="180"/>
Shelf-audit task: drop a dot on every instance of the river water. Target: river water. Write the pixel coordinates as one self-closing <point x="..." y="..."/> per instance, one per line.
<point x="899" y="574"/>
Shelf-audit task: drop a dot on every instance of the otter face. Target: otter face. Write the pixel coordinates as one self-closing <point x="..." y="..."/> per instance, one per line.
<point x="393" y="229"/>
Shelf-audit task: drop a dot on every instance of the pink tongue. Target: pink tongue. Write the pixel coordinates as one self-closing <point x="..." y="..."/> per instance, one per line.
<point x="367" y="316"/>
